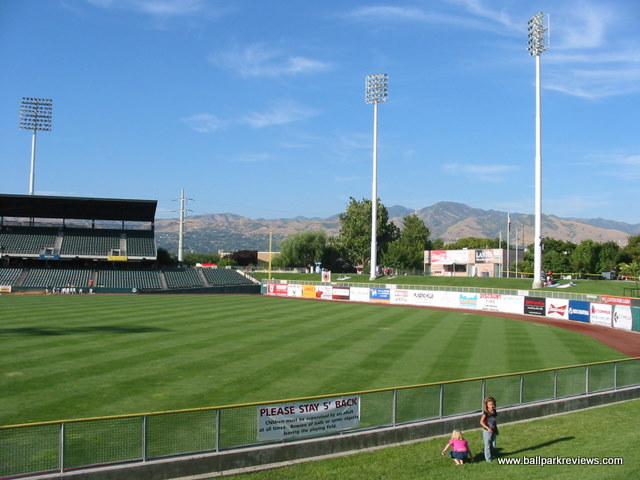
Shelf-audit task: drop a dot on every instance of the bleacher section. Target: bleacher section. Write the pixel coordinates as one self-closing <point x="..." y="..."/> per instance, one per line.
<point x="141" y="243"/>
<point x="140" y="279"/>
<point x="57" y="277"/>
<point x="27" y="240"/>
<point x="90" y="242"/>
<point x="183" y="278"/>
<point x="9" y="276"/>
<point x="224" y="276"/>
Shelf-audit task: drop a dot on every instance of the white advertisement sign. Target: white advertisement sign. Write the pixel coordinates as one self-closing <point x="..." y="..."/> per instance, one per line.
<point x="359" y="294"/>
<point x="512" y="304"/>
<point x="600" y="314"/>
<point x="307" y="419"/>
<point x="489" y="302"/>
<point x="294" y="290"/>
<point x="622" y="317"/>
<point x="422" y="297"/>
<point x="557" y="308"/>
<point x="400" y="296"/>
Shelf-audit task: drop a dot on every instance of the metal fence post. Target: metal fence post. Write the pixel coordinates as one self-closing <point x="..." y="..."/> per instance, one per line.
<point x="555" y="384"/>
<point x="521" y="388"/>
<point x="144" y="438"/>
<point x="61" y="448"/>
<point x="615" y="375"/>
<point x="586" y="380"/>
<point x="441" y="406"/>
<point x="394" y="407"/>
<point x="217" y="430"/>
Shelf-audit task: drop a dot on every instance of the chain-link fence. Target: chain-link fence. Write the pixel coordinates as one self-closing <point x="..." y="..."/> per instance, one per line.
<point x="52" y="447"/>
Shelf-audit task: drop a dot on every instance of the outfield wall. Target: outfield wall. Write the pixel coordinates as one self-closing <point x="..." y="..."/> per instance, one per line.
<point x="609" y="311"/>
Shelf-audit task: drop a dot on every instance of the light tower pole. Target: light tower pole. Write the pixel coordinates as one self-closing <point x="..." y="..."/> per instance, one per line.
<point x="537" y="33"/>
<point x="376" y="91"/>
<point x="35" y="114"/>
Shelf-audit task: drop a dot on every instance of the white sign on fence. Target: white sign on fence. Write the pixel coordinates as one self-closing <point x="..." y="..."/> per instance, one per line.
<point x="307" y="419"/>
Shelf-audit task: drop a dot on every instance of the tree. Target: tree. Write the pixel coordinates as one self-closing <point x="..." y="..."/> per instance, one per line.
<point x="193" y="258"/>
<point x="473" y="243"/>
<point x="407" y="252"/>
<point x="585" y="257"/>
<point x="631" y="253"/>
<point x="608" y="257"/>
<point x="557" y="255"/>
<point x="355" y="231"/>
<point x="302" y="249"/>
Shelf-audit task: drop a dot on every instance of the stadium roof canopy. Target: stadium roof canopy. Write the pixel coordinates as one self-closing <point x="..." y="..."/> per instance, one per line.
<point x="41" y="206"/>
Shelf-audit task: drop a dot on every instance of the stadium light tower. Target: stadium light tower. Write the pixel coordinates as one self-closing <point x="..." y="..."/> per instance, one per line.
<point x="35" y="114"/>
<point x="537" y="33"/>
<point x="376" y="91"/>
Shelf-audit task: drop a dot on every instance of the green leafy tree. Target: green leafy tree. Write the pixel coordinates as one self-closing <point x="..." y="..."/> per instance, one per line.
<point x="631" y="252"/>
<point x="407" y="252"/>
<point x="556" y="256"/>
<point x="193" y="258"/>
<point x="473" y="243"/>
<point x="608" y="257"/>
<point x="585" y="257"/>
<point x="355" y="231"/>
<point x="303" y="249"/>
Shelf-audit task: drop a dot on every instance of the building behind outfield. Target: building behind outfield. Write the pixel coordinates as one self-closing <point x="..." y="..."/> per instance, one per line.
<point x="50" y="243"/>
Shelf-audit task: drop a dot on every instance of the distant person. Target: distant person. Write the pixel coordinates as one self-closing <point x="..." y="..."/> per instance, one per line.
<point x="489" y="426"/>
<point x="459" y="448"/>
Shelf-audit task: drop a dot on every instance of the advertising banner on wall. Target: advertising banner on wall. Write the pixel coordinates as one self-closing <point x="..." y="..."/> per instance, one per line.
<point x="449" y="257"/>
<point x="307" y="419"/>
<point x="324" y="292"/>
<point x="468" y="300"/>
<point x="400" y="296"/>
<point x="511" y="303"/>
<point x="340" y="293"/>
<point x="277" y="289"/>
<point x="359" y="294"/>
<point x="622" y="317"/>
<point x="309" y="291"/>
<point x="558" y="308"/>
<point x="380" y="295"/>
<point x="534" y="306"/>
<point x="294" y="290"/>
<point x="579" y="310"/>
<point x="615" y="300"/>
<point x="489" y="255"/>
<point x="489" y="302"/>
<point x="600" y="314"/>
<point x="421" y="297"/>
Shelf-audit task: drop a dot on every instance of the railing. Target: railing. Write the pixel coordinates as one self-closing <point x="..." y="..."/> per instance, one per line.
<point x="57" y="447"/>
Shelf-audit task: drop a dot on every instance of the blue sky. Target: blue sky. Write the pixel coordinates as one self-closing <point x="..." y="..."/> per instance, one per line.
<point x="257" y="107"/>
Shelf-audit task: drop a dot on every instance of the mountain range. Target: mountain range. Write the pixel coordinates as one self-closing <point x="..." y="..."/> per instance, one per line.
<point x="210" y="233"/>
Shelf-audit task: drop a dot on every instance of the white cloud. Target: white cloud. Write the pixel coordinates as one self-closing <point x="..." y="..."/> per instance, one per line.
<point x="257" y="60"/>
<point x="484" y="173"/>
<point x="163" y="8"/>
<point x="204" y="122"/>
<point x="284" y="112"/>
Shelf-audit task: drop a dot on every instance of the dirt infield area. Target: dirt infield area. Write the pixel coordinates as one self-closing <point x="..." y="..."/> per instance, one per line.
<point x="622" y="340"/>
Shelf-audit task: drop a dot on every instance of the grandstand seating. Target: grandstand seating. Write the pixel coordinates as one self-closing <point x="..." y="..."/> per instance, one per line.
<point x="141" y="243"/>
<point x="141" y="279"/>
<point x="27" y="240"/>
<point x="223" y="276"/>
<point x="57" y="277"/>
<point x="90" y="242"/>
<point x="182" y="278"/>
<point x="9" y="276"/>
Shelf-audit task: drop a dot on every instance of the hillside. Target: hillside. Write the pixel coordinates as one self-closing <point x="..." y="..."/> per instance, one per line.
<point x="447" y="220"/>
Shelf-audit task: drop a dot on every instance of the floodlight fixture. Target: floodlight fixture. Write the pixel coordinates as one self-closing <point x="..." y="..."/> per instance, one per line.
<point x="538" y="43"/>
<point x="376" y="91"/>
<point x="35" y="115"/>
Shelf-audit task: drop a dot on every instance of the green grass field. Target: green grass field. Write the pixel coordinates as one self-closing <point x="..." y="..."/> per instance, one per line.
<point x="84" y="356"/>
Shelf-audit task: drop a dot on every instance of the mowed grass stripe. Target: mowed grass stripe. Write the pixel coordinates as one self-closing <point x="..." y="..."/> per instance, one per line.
<point x="79" y="356"/>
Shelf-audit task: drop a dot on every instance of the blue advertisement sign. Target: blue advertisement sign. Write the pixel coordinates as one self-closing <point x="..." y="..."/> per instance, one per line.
<point x="579" y="310"/>
<point x="380" y="294"/>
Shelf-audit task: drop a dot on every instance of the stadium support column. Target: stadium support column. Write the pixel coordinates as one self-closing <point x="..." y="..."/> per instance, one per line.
<point x="376" y="91"/>
<point x="537" y="33"/>
<point x="35" y="114"/>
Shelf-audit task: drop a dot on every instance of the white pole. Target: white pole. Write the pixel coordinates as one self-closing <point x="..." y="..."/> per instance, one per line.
<point x="508" y="235"/>
<point x="32" y="177"/>
<point x="537" y="241"/>
<point x="181" y="228"/>
<point x="374" y="197"/>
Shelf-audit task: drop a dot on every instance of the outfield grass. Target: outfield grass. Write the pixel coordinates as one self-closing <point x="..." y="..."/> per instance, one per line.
<point x="83" y="356"/>
<point x="595" y="433"/>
